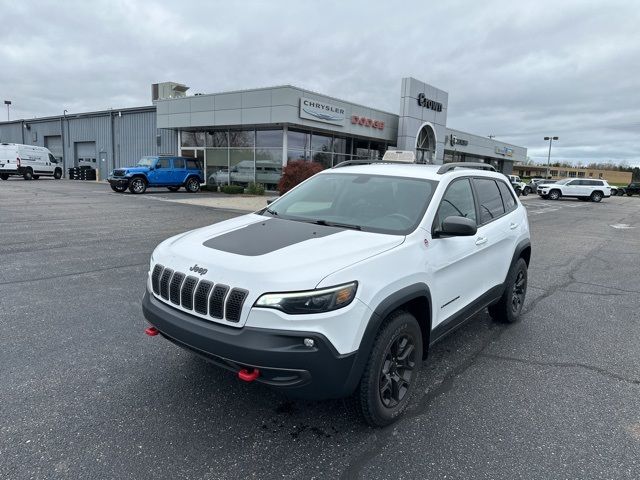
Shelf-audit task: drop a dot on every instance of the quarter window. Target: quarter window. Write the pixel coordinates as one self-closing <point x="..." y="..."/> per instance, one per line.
<point x="507" y="197"/>
<point x="457" y="202"/>
<point x="489" y="199"/>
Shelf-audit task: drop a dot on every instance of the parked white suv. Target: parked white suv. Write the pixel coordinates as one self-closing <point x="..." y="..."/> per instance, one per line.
<point x="582" y="189"/>
<point x="27" y="161"/>
<point x="339" y="287"/>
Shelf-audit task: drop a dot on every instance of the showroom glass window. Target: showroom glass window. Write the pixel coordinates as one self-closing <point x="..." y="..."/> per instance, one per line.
<point x="269" y="157"/>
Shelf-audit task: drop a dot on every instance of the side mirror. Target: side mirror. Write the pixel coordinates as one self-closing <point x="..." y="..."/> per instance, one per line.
<point x="457" y="227"/>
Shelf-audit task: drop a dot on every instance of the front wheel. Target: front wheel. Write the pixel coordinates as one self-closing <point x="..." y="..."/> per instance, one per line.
<point x="596" y="197"/>
<point x="57" y="174"/>
<point x="509" y="307"/>
<point x="391" y="373"/>
<point x="137" y="185"/>
<point x="192" y="185"/>
<point x="554" y="194"/>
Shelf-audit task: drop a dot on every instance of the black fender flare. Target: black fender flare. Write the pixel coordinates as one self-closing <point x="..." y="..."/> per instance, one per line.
<point x="380" y="313"/>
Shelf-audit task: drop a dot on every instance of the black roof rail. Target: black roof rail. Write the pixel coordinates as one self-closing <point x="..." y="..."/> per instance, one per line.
<point x="347" y="163"/>
<point x="447" y="167"/>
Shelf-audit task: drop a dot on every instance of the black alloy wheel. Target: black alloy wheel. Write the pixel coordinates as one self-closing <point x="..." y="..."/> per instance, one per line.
<point x="397" y="371"/>
<point x="518" y="291"/>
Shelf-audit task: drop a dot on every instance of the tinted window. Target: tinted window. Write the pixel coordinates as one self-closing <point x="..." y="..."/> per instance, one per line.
<point x="163" y="163"/>
<point x="489" y="199"/>
<point x="507" y="197"/>
<point x="178" y="163"/>
<point x="193" y="164"/>
<point x="457" y="202"/>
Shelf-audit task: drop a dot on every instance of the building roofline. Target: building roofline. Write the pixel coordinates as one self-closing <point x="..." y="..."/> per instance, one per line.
<point x="480" y="136"/>
<point x="146" y="108"/>
<point x="279" y="86"/>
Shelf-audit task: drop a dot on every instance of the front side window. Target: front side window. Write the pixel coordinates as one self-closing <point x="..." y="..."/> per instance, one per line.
<point x="163" y="163"/>
<point x="489" y="199"/>
<point x="146" y="161"/>
<point x="456" y="202"/>
<point x="372" y="203"/>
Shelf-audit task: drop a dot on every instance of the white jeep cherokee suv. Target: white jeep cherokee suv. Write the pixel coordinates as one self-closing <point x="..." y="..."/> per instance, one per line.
<point x="338" y="288"/>
<point x="582" y="189"/>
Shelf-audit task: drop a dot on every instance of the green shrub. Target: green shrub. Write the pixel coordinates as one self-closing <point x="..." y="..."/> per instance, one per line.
<point x="232" y="189"/>
<point x="255" y="189"/>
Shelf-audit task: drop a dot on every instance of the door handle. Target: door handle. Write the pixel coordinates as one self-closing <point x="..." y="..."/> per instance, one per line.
<point x="481" y="240"/>
<point x="513" y="226"/>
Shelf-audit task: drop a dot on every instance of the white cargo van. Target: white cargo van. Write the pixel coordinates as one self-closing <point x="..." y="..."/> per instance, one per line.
<point x="28" y="161"/>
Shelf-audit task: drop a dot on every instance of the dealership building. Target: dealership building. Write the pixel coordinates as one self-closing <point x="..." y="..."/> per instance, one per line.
<point x="249" y="135"/>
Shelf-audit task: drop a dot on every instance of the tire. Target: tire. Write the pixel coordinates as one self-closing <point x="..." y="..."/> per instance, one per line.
<point x="119" y="188"/>
<point x="554" y="194"/>
<point x="382" y="404"/>
<point x="4" y="176"/>
<point x="28" y="174"/>
<point x="137" y="185"/>
<point x="525" y="191"/>
<point x="629" y="194"/>
<point x="173" y="189"/>
<point x="57" y="174"/>
<point x="192" y="185"/>
<point x="596" y="197"/>
<point x="509" y="307"/>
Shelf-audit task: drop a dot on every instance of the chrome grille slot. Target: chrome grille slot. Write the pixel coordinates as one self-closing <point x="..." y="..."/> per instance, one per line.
<point x="186" y="296"/>
<point x="155" y="278"/>
<point x="164" y="283"/>
<point x="201" y="296"/>
<point x="174" y="287"/>
<point x="216" y="303"/>
<point x="234" y="304"/>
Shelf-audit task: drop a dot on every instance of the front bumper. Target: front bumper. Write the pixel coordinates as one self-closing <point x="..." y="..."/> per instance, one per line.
<point x="118" y="181"/>
<point x="317" y="372"/>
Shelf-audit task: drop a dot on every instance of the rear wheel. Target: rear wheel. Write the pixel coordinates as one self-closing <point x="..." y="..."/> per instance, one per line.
<point x="192" y="185"/>
<point x="509" y="307"/>
<point x="137" y="185"/>
<point x="596" y="196"/>
<point x="28" y="174"/>
<point x="174" y="189"/>
<point x="4" y="176"/>
<point x="554" y="194"/>
<point x="389" y="378"/>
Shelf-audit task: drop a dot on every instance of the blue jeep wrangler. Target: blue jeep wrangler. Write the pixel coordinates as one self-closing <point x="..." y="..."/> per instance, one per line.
<point x="162" y="171"/>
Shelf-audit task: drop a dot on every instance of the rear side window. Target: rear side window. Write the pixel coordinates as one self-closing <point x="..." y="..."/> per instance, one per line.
<point x="457" y="202"/>
<point x="489" y="199"/>
<point x="178" y="163"/>
<point x="507" y="197"/>
<point x="193" y="164"/>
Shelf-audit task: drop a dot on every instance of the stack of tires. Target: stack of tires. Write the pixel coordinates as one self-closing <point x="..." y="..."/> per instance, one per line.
<point x="82" y="173"/>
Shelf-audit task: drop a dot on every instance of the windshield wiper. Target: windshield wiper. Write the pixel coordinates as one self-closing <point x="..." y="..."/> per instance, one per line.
<point x="272" y="212"/>
<point x="335" y="224"/>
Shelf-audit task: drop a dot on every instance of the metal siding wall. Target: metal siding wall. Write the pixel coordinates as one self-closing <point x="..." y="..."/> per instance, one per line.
<point x="87" y="129"/>
<point x="11" y="133"/>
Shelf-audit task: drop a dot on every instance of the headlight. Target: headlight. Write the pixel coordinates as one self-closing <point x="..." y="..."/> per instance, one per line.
<point x="312" y="301"/>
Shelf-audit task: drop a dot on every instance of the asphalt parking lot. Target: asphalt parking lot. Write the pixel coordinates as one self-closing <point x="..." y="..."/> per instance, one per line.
<point x="85" y="394"/>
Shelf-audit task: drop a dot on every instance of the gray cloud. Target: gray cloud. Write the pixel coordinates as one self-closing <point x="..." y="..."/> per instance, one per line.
<point x="518" y="70"/>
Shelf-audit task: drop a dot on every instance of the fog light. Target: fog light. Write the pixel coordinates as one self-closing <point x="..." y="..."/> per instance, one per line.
<point x="308" y="342"/>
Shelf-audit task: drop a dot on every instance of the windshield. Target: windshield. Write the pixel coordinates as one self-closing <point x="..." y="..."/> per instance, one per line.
<point x="146" y="161"/>
<point x="375" y="203"/>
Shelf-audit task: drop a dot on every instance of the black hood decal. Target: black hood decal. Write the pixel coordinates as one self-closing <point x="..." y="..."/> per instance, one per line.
<point x="268" y="236"/>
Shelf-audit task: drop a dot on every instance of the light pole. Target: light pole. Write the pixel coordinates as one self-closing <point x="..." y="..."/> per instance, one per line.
<point x="551" y="139"/>
<point x="7" y="103"/>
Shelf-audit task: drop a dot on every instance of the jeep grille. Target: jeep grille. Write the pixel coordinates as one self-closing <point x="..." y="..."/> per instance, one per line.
<point x="217" y="301"/>
<point x="118" y="173"/>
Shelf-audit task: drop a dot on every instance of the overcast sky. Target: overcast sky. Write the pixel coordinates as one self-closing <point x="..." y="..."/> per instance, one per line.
<point x="516" y="69"/>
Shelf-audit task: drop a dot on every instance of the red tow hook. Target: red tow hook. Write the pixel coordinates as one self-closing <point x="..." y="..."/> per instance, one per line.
<point x="151" y="331"/>
<point x="248" y="375"/>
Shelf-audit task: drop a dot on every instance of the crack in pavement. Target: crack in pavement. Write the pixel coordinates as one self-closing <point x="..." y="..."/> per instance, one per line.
<point x="541" y="363"/>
